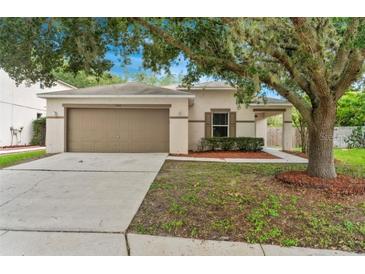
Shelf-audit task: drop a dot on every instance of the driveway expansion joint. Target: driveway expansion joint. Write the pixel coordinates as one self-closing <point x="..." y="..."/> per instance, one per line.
<point x="263" y="251"/>
<point x="127" y="244"/>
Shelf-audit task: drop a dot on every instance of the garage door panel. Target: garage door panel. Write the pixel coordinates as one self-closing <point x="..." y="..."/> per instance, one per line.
<point x="117" y="130"/>
<point x="111" y="147"/>
<point x="75" y="146"/>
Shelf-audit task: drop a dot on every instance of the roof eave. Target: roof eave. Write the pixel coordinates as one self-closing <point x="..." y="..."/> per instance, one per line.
<point x="78" y="96"/>
<point x="66" y="84"/>
<point x="213" y="88"/>
<point x="272" y="104"/>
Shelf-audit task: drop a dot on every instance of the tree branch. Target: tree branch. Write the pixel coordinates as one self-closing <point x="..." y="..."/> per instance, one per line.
<point x="344" y="49"/>
<point x="200" y="59"/>
<point x="350" y="73"/>
<point x="240" y="70"/>
<point x="280" y="56"/>
<point x="298" y="102"/>
<point x="294" y="72"/>
<point x="309" y="41"/>
<point x="306" y="35"/>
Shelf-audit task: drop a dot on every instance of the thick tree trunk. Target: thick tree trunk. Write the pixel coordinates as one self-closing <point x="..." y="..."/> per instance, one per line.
<point x="320" y="150"/>
<point x="320" y="156"/>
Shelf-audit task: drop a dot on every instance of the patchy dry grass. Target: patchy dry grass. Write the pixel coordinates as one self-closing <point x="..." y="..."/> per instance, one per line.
<point x="243" y="202"/>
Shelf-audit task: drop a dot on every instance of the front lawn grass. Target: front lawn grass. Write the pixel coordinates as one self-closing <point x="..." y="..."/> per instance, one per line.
<point x="244" y="202"/>
<point x="19" y="157"/>
<point x="354" y="156"/>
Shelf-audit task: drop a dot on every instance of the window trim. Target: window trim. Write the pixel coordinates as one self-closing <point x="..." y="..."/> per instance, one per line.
<point x="214" y="125"/>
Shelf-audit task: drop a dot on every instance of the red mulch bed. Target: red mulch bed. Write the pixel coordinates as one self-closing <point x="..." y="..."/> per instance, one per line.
<point x="230" y="154"/>
<point x="343" y="185"/>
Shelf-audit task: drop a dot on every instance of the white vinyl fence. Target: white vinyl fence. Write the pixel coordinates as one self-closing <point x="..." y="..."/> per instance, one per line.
<point x="274" y="136"/>
<point x="340" y="134"/>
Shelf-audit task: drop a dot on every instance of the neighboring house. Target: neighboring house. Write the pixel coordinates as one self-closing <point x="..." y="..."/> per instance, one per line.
<point x="19" y="106"/>
<point x="135" y="117"/>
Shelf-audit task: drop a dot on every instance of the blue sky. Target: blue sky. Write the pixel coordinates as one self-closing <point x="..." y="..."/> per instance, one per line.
<point x="136" y="66"/>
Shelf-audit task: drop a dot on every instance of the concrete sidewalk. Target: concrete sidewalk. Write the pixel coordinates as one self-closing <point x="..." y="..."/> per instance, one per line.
<point x="283" y="158"/>
<point x="147" y="245"/>
<point x="42" y="243"/>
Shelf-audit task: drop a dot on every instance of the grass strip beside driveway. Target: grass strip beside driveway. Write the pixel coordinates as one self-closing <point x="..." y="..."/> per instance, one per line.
<point x="20" y="157"/>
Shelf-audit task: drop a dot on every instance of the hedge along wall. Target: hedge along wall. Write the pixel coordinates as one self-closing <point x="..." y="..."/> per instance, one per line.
<point x="39" y="132"/>
<point x="232" y="143"/>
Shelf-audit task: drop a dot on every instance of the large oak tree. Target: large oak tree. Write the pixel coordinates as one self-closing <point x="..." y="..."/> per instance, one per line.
<point x="309" y="61"/>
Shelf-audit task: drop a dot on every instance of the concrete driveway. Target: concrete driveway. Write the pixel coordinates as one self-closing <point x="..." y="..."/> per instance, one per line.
<point x="73" y="203"/>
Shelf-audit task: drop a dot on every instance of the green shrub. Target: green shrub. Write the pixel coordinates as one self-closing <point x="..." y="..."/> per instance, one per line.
<point x="356" y="139"/>
<point x="228" y="144"/>
<point x="243" y="144"/>
<point x="39" y="132"/>
<point x="232" y="143"/>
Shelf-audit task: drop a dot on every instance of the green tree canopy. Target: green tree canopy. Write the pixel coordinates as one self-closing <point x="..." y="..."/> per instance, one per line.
<point x="155" y="79"/>
<point x="82" y="79"/>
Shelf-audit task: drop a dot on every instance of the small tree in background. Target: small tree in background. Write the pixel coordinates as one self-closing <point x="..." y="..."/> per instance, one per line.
<point x="275" y="121"/>
<point x="302" y="127"/>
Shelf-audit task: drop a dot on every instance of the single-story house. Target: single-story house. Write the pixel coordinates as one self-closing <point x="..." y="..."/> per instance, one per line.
<point x="135" y="117"/>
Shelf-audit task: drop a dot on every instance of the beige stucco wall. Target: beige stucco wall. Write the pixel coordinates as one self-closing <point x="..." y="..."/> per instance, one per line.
<point x="55" y="135"/>
<point x="204" y="101"/>
<point x="249" y="123"/>
<point x="178" y="119"/>
<point x="261" y="126"/>
<point x="179" y="136"/>
<point x="287" y="130"/>
<point x="186" y="121"/>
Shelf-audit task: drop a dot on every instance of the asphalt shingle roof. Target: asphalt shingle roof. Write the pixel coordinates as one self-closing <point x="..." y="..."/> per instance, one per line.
<point x="212" y="85"/>
<point x="130" y="88"/>
<point x="216" y="85"/>
<point x="141" y="89"/>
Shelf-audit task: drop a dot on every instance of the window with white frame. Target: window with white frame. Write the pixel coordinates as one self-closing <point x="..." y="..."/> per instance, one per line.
<point x="220" y="124"/>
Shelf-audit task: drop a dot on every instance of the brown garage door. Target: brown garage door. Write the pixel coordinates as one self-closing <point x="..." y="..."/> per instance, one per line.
<point x="117" y="130"/>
